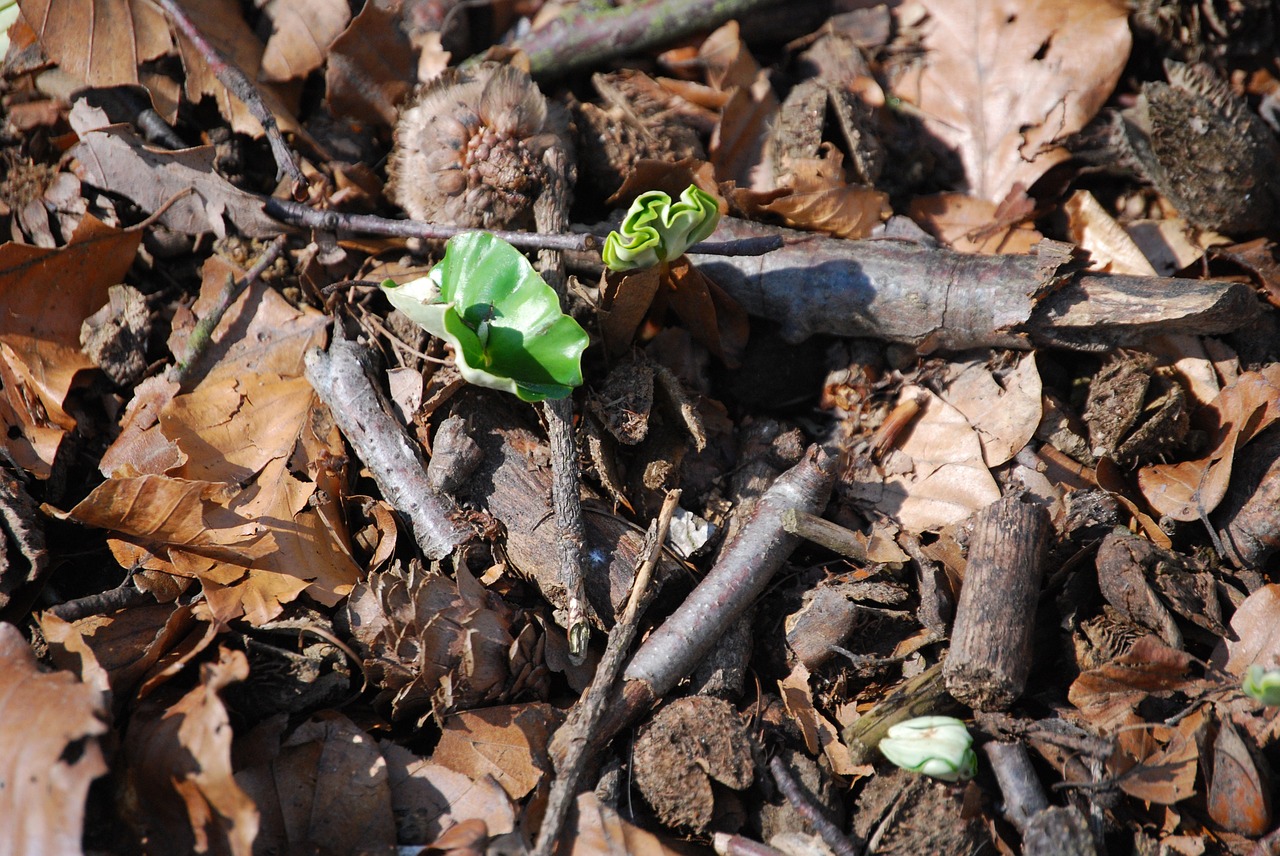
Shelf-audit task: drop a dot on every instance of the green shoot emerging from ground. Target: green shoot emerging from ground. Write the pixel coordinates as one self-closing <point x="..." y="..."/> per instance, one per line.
<point x="503" y="320"/>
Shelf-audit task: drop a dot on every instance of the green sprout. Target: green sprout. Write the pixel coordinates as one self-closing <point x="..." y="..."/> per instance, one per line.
<point x="1263" y="685"/>
<point x="503" y="320"/>
<point x="8" y="14"/>
<point x="656" y="230"/>
<point x="937" y="746"/>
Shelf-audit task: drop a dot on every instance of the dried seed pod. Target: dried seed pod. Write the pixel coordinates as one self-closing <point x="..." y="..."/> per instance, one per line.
<point x="468" y="148"/>
<point x="1205" y="150"/>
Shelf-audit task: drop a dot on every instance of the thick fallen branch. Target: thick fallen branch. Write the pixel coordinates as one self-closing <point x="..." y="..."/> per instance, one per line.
<point x="590" y="33"/>
<point x="928" y="297"/>
<point x="338" y="377"/>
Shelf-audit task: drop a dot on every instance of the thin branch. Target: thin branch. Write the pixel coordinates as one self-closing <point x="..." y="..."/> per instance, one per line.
<point x="295" y="214"/>
<point x="591" y="33"/>
<point x="339" y="378"/>
<point x="831" y="834"/>
<point x="202" y="336"/>
<point x="239" y="85"/>
<point x="551" y="213"/>
<point x="575" y="737"/>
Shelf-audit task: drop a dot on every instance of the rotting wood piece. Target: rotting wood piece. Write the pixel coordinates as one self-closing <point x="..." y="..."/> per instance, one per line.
<point x="933" y="298"/>
<point x="990" y="656"/>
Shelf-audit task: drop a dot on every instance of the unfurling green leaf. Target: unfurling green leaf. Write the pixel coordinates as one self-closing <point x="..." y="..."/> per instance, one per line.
<point x="1263" y="685"/>
<point x="658" y="230"/>
<point x="503" y="320"/>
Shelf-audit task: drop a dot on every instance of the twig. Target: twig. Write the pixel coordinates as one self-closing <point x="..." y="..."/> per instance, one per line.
<point x="736" y="845"/>
<point x="592" y="33"/>
<point x="833" y="536"/>
<point x="295" y="214"/>
<point x="743" y="570"/>
<point x="831" y="834"/>
<point x="339" y="378"/>
<point x="576" y="738"/>
<point x="202" y="336"/>
<point x="239" y="85"/>
<point x="551" y="213"/>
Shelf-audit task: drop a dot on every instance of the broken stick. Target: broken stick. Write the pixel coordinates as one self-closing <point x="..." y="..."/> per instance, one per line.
<point x="990" y="656"/>
<point x="934" y="298"/>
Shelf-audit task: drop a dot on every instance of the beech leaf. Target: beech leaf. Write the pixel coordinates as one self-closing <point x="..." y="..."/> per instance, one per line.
<point x="503" y="320"/>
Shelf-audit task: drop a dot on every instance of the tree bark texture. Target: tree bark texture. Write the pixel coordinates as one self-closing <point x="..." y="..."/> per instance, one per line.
<point x="339" y="378"/>
<point x="990" y="654"/>
<point x="933" y="298"/>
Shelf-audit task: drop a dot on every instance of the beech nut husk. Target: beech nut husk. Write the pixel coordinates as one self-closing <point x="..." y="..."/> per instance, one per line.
<point x="468" y="148"/>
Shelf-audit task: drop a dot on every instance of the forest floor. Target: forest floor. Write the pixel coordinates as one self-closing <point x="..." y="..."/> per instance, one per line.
<point x="967" y="407"/>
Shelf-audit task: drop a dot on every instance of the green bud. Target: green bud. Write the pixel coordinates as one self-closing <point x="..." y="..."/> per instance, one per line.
<point x="1263" y="685"/>
<point x="658" y="230"/>
<point x="937" y="746"/>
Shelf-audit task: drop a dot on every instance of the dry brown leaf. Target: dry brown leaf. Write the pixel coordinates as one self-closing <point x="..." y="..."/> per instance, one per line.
<point x="508" y="743"/>
<point x="1003" y="80"/>
<point x="46" y="295"/>
<point x="1108" y="695"/>
<point x="123" y="35"/>
<point x="968" y="224"/>
<point x="1239" y="798"/>
<point x="327" y="790"/>
<point x="822" y="200"/>
<point x="1191" y="489"/>
<point x="303" y="32"/>
<point x="1168" y="774"/>
<point x="115" y="159"/>
<point x="174" y="516"/>
<point x="254" y="427"/>
<point x="49" y="752"/>
<point x="223" y="24"/>
<point x="601" y="832"/>
<point x="435" y="798"/>
<point x="371" y="67"/>
<point x="1004" y="409"/>
<point x="936" y="476"/>
<point x="739" y="147"/>
<point x="820" y="735"/>
<point x="1109" y="245"/>
<point x="177" y="770"/>
<point x="1255" y="640"/>
<point x="137" y="648"/>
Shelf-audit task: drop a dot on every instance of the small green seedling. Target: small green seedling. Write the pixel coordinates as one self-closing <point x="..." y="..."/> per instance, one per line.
<point x="657" y="230"/>
<point x="503" y="320"/>
<point x="937" y="746"/>
<point x="1263" y="685"/>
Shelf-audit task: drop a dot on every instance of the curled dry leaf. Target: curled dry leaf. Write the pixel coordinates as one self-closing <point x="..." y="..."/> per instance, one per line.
<point x="507" y="743"/>
<point x="303" y="31"/>
<point x="1191" y="489"/>
<point x="822" y="200"/>
<point x="326" y="789"/>
<point x="936" y="475"/>
<point x="1002" y="81"/>
<point x="429" y="798"/>
<point x="176" y="770"/>
<point x="49" y="751"/>
<point x="46" y="295"/>
<point x="969" y="224"/>
<point x="1240" y="785"/>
